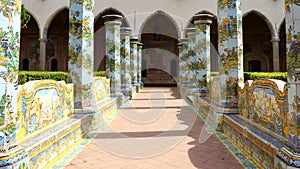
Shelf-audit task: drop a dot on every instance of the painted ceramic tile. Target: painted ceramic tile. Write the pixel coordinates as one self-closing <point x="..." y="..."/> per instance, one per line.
<point x="230" y="50"/>
<point x="101" y="89"/>
<point x="203" y="54"/>
<point x="133" y="62"/>
<point x="184" y="63"/>
<point x="293" y="65"/>
<point x="139" y="64"/>
<point x="113" y="67"/>
<point x="192" y="62"/>
<point x="42" y="103"/>
<point x="125" y="63"/>
<point x="9" y="65"/>
<point x="81" y="50"/>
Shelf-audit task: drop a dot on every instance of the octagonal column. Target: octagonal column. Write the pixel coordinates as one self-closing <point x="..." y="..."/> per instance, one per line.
<point x="230" y="51"/>
<point x="133" y="60"/>
<point x="191" y="61"/>
<point x="113" y="67"/>
<point x="139" y="65"/>
<point x="125" y="61"/>
<point x="81" y="51"/>
<point x="9" y="64"/>
<point x="202" y="23"/>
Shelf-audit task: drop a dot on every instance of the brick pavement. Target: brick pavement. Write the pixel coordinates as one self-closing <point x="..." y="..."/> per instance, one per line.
<point x="156" y="130"/>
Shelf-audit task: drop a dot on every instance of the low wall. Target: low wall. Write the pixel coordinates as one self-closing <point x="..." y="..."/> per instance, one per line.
<point x="48" y="126"/>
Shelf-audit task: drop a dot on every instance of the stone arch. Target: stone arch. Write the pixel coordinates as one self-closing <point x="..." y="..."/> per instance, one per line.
<point x="35" y="18"/>
<point x="53" y="15"/>
<point x="159" y="12"/>
<point x="265" y="19"/>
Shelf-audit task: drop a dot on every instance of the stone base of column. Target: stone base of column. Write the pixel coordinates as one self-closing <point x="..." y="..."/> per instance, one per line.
<point x="191" y="90"/>
<point x="127" y="92"/>
<point x="183" y="89"/>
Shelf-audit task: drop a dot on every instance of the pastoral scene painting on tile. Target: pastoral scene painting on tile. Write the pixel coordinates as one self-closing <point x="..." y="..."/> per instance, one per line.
<point x="42" y="103"/>
<point x="265" y="104"/>
<point x="101" y="89"/>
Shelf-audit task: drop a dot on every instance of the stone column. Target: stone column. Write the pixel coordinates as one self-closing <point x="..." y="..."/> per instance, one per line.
<point x="291" y="153"/>
<point x="191" y="61"/>
<point x="133" y="60"/>
<point x="276" y="66"/>
<point x="81" y="51"/>
<point x="42" y="58"/>
<point x="113" y="70"/>
<point x="125" y="62"/>
<point x="139" y="65"/>
<point x="202" y="23"/>
<point x="9" y="65"/>
<point x="230" y="51"/>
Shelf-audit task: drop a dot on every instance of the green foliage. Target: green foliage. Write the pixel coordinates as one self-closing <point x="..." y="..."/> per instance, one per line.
<point x="265" y="75"/>
<point x="25" y="76"/>
<point x="260" y="75"/>
<point x="100" y="74"/>
<point x="25" y="17"/>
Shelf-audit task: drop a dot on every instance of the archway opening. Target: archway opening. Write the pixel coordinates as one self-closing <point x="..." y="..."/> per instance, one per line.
<point x="160" y="38"/>
<point x="57" y="44"/>
<point x="257" y="43"/>
<point x="99" y="38"/>
<point x="30" y="46"/>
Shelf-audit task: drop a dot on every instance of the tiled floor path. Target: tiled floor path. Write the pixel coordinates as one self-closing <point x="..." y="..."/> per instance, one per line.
<point x="157" y="130"/>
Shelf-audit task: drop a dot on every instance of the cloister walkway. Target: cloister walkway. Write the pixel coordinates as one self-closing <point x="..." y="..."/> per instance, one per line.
<point x="157" y="129"/>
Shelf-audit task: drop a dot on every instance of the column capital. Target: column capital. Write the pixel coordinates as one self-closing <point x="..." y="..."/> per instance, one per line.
<point x="140" y="44"/>
<point x="112" y="19"/>
<point x="184" y="40"/>
<point x="202" y="19"/>
<point x="179" y="45"/>
<point x="126" y="31"/>
<point x="134" y="40"/>
<point x="191" y="31"/>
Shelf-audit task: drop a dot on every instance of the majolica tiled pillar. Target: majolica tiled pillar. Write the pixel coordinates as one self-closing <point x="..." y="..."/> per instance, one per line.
<point x="191" y="61"/>
<point x="293" y="67"/>
<point x="230" y="50"/>
<point x="181" y="64"/>
<point x="125" y="62"/>
<point x="81" y="51"/>
<point x="139" y="65"/>
<point x="133" y="60"/>
<point x="184" y="61"/>
<point x="9" y="65"/>
<point x="202" y="23"/>
<point x="113" y="67"/>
